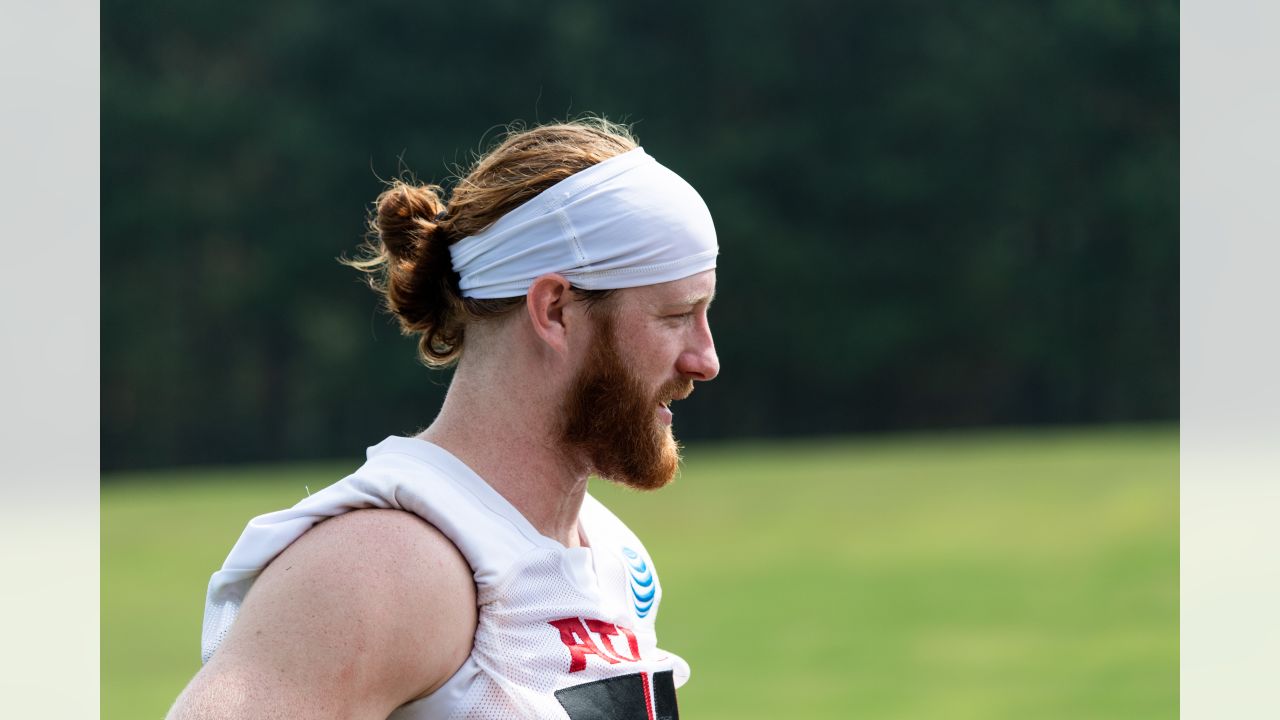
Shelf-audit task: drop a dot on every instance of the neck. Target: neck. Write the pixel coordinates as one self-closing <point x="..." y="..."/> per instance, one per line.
<point x="504" y="428"/>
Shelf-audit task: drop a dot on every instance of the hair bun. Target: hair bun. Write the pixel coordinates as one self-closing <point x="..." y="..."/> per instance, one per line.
<point x="406" y="218"/>
<point x="406" y="254"/>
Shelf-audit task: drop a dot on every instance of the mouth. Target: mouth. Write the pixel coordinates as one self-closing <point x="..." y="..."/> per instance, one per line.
<point x="664" y="406"/>
<point x="664" y="412"/>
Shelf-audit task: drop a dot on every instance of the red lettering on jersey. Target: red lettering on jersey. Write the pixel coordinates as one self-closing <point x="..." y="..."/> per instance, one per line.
<point x="606" y="630"/>
<point x="578" y="640"/>
<point x="631" y="643"/>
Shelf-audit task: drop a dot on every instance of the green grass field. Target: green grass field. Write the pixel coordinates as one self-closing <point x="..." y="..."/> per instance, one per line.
<point x="1017" y="574"/>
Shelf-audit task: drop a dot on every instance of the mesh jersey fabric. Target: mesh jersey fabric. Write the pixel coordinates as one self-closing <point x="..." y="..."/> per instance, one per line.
<point x="555" y="624"/>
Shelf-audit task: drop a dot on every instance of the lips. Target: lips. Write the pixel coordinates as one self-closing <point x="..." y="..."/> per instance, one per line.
<point x="664" y="414"/>
<point x="672" y="393"/>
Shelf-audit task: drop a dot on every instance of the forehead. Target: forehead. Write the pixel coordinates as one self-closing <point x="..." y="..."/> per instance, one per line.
<point x="693" y="290"/>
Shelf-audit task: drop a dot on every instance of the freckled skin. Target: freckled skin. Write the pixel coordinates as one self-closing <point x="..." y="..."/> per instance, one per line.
<point x="325" y="631"/>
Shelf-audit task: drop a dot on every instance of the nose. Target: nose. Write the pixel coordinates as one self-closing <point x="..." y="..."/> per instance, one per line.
<point x="700" y="361"/>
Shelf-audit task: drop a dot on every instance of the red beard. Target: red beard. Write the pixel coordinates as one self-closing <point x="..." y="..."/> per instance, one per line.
<point x="610" y="419"/>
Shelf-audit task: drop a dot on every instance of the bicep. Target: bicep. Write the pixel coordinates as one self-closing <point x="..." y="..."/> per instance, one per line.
<point x="360" y="615"/>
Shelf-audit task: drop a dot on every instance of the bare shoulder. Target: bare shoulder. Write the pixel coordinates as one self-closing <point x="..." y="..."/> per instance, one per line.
<point x="364" y="612"/>
<point x="371" y="550"/>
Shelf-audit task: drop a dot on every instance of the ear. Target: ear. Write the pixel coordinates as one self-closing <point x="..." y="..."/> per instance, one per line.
<point x="546" y="301"/>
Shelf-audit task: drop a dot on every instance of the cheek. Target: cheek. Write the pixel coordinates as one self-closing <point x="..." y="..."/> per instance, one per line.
<point x="662" y="365"/>
<point x="651" y="348"/>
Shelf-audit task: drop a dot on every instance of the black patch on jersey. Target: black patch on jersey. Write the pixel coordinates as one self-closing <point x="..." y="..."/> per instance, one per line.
<point x="664" y="696"/>
<point x="618" y="698"/>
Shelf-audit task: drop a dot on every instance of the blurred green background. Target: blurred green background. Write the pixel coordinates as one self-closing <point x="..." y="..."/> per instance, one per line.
<point x="930" y="215"/>
<point x="965" y="575"/>
<point x="937" y="475"/>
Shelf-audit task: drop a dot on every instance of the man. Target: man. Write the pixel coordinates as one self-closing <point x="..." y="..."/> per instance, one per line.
<point x="466" y="572"/>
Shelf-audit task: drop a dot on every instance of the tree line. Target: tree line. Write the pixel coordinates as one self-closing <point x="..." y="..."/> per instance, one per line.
<point x="929" y="215"/>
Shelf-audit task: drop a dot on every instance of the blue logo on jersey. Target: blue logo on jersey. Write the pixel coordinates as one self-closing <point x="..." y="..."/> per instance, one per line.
<point x="642" y="587"/>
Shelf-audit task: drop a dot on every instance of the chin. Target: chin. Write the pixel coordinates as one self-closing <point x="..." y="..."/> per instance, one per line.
<point x="648" y="470"/>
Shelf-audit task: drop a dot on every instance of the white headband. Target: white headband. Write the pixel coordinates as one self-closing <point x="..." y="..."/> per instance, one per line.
<point x="624" y="222"/>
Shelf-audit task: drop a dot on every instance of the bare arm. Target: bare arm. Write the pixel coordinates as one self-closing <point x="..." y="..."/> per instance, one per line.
<point x="360" y="615"/>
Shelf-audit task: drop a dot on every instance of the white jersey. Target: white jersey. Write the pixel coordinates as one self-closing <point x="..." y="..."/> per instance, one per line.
<point x="562" y="632"/>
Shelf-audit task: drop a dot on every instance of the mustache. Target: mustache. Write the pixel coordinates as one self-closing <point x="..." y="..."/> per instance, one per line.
<point x="676" y="390"/>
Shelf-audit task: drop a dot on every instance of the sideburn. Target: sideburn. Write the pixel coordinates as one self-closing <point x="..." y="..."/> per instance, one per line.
<point x="609" y="418"/>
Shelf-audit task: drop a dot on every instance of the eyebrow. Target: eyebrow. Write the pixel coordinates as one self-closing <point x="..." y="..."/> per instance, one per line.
<point x="692" y="301"/>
